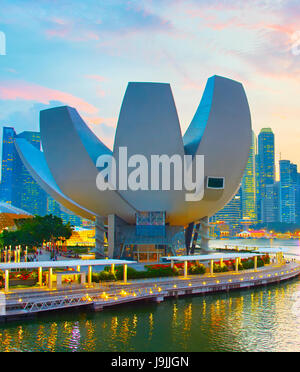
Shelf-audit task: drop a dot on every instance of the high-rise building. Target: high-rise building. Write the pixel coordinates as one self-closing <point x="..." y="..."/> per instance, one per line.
<point x="17" y="185"/>
<point x="272" y="206"/>
<point x="249" y="186"/>
<point x="288" y="180"/>
<point x="266" y="168"/>
<point x="297" y="203"/>
<point x="8" y="165"/>
<point x="231" y="214"/>
<point x="53" y="207"/>
<point x="28" y="194"/>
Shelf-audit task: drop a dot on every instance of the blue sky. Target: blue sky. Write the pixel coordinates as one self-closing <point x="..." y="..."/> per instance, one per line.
<point x="83" y="53"/>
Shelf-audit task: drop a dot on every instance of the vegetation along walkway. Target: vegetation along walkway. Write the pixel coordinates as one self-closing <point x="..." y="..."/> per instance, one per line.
<point x="28" y="303"/>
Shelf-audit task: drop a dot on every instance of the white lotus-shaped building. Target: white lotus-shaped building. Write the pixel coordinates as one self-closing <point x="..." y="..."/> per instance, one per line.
<point x="148" y="124"/>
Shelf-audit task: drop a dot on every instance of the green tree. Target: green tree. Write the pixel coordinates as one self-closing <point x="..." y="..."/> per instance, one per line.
<point x="36" y="231"/>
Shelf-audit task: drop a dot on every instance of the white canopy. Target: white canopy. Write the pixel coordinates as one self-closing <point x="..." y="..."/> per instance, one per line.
<point x="67" y="263"/>
<point x="213" y="256"/>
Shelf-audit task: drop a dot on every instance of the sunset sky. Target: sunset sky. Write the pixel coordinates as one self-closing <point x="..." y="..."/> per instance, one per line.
<point x="83" y="54"/>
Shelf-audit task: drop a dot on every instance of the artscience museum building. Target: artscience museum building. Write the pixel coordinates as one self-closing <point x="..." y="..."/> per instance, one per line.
<point x="155" y="183"/>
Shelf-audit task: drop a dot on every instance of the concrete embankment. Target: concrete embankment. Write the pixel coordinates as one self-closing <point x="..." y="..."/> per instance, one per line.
<point x="20" y="305"/>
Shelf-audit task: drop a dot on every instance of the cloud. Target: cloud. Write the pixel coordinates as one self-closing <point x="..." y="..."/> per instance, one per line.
<point x="104" y="128"/>
<point x="21" y="90"/>
<point x="27" y="118"/>
<point x="101" y="20"/>
<point x="97" y="79"/>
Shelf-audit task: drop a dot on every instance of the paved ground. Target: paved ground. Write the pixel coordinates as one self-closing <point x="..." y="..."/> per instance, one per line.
<point x="137" y="283"/>
<point x="25" y="303"/>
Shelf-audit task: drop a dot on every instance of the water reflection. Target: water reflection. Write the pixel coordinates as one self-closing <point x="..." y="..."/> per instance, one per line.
<point x="254" y="320"/>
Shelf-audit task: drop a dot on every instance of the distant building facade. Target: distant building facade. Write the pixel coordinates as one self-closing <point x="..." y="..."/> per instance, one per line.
<point x="53" y="207"/>
<point x="265" y="169"/>
<point x="288" y="181"/>
<point x="263" y="199"/>
<point x="272" y="203"/>
<point x="231" y="214"/>
<point x="249" y="186"/>
<point x="17" y="185"/>
<point x="8" y="165"/>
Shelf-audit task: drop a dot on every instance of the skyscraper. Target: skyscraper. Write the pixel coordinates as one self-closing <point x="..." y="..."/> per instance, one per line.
<point x="288" y="180"/>
<point x="297" y="203"/>
<point x="266" y="168"/>
<point x="8" y="165"/>
<point x="53" y="207"/>
<point x="272" y="203"/>
<point x="28" y="194"/>
<point x="232" y="212"/>
<point x="17" y="185"/>
<point x="249" y="186"/>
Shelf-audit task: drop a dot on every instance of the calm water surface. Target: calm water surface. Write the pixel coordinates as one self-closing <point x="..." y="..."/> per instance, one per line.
<point x="252" y="320"/>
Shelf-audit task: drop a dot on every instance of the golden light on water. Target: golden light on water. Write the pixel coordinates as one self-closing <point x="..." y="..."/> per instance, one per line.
<point x="250" y="320"/>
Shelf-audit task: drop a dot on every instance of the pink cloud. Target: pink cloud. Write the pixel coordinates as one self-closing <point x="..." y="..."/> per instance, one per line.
<point x="95" y="77"/>
<point x="20" y="90"/>
<point x="68" y="30"/>
<point x="97" y="120"/>
<point x="104" y="128"/>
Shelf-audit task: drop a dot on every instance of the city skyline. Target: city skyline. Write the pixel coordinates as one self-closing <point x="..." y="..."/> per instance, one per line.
<point x="21" y="190"/>
<point x="17" y="186"/>
<point x="100" y="47"/>
<point x="262" y="197"/>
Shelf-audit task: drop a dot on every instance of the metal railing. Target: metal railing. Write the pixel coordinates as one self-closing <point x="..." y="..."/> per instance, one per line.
<point x="114" y="294"/>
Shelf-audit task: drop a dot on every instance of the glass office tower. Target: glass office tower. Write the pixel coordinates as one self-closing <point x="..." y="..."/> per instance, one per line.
<point x="8" y="165"/>
<point x="266" y="168"/>
<point x="288" y="180"/>
<point x="249" y="186"/>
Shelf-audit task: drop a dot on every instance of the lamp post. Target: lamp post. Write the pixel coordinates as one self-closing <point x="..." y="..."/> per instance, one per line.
<point x="125" y="273"/>
<point x="211" y="267"/>
<point x="255" y="263"/>
<point x="90" y="275"/>
<point x="40" y="278"/>
<point x="185" y="269"/>
<point x="237" y="265"/>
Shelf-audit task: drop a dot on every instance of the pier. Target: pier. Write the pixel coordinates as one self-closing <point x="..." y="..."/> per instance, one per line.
<point x="21" y="304"/>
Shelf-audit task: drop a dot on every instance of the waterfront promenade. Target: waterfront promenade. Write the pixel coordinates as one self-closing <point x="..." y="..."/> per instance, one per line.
<point x="99" y="296"/>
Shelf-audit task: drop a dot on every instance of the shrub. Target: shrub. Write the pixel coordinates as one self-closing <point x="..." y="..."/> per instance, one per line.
<point x="220" y="269"/>
<point x="197" y="269"/>
<point x="260" y="262"/>
<point x="224" y="269"/>
<point x="248" y="264"/>
<point x="103" y="276"/>
<point x="152" y="271"/>
<point x="155" y="271"/>
<point x="266" y="259"/>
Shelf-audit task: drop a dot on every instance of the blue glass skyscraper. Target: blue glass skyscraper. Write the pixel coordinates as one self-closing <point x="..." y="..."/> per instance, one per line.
<point x="28" y="194"/>
<point x="249" y="186"/>
<point x="266" y="168"/>
<point x="231" y="214"/>
<point x="17" y="185"/>
<point x="8" y="166"/>
<point x="288" y="180"/>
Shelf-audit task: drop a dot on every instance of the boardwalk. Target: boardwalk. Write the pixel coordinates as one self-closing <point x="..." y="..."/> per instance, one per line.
<point x="31" y="302"/>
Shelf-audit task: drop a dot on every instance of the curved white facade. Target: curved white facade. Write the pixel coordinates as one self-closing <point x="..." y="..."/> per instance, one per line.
<point x="148" y="125"/>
